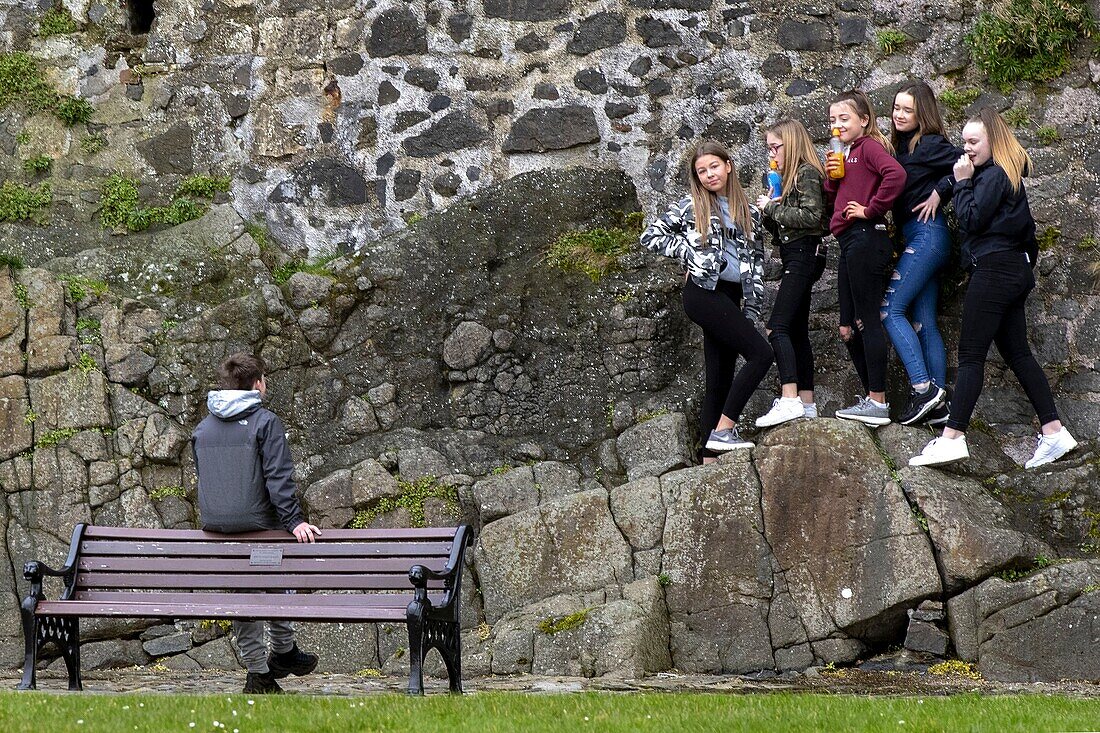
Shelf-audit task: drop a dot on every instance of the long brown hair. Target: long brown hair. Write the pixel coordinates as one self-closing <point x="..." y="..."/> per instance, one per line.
<point x="929" y="120"/>
<point x="1006" y="150"/>
<point x="799" y="150"/>
<point x="702" y="200"/>
<point x="858" y="100"/>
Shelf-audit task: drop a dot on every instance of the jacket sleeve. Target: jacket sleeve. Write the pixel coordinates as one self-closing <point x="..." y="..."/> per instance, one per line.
<point x="892" y="179"/>
<point x="977" y="201"/>
<point x="811" y="209"/>
<point x="750" y="252"/>
<point x="278" y="467"/>
<point x="672" y="235"/>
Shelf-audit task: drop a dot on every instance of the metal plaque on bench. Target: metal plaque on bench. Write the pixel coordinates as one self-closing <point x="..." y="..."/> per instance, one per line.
<point x="272" y="556"/>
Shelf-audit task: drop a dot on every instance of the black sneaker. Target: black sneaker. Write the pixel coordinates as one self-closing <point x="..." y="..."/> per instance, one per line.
<point x="294" y="662"/>
<point x="261" y="683"/>
<point x="939" y="415"/>
<point x="921" y="404"/>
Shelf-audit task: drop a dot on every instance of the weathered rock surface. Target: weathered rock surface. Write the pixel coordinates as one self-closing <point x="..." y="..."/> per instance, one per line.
<point x="969" y="529"/>
<point x="568" y="545"/>
<point x="844" y="538"/>
<point x="1041" y="628"/>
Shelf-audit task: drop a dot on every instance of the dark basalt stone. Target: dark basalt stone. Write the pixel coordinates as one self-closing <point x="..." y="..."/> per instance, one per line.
<point x="554" y="128"/>
<point x="455" y="131"/>
<point x="397" y="32"/>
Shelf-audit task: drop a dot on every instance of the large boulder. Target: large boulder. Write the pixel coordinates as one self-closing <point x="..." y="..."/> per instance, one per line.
<point x="655" y="446"/>
<point x="850" y="550"/>
<point x="969" y="529"/>
<point x="587" y="635"/>
<point x="1042" y="628"/>
<point x="717" y="566"/>
<point x="569" y="545"/>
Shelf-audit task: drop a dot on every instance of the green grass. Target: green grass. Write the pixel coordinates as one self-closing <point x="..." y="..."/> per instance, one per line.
<point x="205" y="187"/>
<point x="22" y="203"/>
<point x="509" y="712"/>
<point x="37" y="164"/>
<point x="593" y="252"/>
<point x="284" y="272"/>
<point x="120" y="210"/>
<point x="92" y="144"/>
<point x="959" y="99"/>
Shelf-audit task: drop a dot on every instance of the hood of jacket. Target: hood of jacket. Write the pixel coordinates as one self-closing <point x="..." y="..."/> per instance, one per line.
<point x="230" y="403"/>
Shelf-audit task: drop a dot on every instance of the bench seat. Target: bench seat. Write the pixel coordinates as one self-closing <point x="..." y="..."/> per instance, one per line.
<point x="347" y="576"/>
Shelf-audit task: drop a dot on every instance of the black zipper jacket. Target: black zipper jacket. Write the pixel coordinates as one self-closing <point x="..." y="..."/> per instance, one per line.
<point x="993" y="217"/>
<point x="927" y="169"/>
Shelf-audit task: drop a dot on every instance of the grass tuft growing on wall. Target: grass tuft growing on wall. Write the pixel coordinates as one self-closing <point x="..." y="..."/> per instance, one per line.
<point x="1028" y="40"/>
<point x="23" y="203"/>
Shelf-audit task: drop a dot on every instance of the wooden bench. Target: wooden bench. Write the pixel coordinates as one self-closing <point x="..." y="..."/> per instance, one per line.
<point x="410" y="575"/>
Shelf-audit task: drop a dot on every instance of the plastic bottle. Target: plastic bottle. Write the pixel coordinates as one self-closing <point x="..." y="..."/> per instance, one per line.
<point x="775" y="181"/>
<point x="836" y="152"/>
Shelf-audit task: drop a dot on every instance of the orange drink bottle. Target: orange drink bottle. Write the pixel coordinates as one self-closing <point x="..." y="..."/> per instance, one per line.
<point x="836" y="152"/>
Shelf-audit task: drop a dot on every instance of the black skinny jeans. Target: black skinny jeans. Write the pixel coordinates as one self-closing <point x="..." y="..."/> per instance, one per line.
<point x="866" y="254"/>
<point x="993" y="313"/>
<point x="790" y="319"/>
<point x="727" y="334"/>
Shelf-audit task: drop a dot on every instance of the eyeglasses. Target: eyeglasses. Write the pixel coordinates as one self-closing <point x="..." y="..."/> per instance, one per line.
<point x="775" y="148"/>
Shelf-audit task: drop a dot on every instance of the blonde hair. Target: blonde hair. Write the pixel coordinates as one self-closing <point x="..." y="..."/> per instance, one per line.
<point x="799" y="151"/>
<point x="860" y="103"/>
<point x="702" y="200"/>
<point x="1006" y="150"/>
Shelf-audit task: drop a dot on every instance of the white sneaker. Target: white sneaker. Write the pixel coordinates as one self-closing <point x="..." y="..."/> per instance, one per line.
<point x="783" y="410"/>
<point x="1051" y="448"/>
<point x="942" y="450"/>
<point x="809" y="410"/>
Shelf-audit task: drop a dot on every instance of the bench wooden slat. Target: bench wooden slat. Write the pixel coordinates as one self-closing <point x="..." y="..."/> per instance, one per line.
<point x="251" y="581"/>
<point x="157" y="548"/>
<point x="351" y="566"/>
<point x="395" y="600"/>
<point x="327" y="535"/>
<point x="229" y="610"/>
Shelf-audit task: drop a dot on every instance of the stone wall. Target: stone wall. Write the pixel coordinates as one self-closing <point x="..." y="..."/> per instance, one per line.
<point x="336" y="123"/>
<point x="449" y="374"/>
<point x="441" y="367"/>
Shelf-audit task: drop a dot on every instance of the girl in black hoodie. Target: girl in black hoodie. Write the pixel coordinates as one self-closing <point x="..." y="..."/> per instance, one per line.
<point x="909" y="307"/>
<point x="999" y="250"/>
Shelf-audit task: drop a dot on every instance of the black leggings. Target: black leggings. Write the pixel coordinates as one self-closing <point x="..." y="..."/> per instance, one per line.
<point x="790" y="319"/>
<point x="727" y="334"/>
<point x="865" y="264"/>
<point x="993" y="313"/>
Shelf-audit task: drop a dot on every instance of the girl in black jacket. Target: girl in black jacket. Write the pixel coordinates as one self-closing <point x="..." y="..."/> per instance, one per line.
<point x="998" y="248"/>
<point x="909" y="307"/>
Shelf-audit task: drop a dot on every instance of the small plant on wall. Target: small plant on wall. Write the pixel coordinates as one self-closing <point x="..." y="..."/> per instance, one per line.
<point x="1028" y="40"/>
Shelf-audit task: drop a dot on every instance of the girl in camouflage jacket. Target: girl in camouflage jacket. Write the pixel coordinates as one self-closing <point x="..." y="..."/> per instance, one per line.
<point x="724" y="265"/>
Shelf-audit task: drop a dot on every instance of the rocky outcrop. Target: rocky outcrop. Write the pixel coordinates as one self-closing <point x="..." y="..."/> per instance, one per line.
<point x="449" y="375"/>
<point x="1042" y="628"/>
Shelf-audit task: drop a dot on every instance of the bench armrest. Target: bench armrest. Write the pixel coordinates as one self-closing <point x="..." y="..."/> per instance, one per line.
<point x="35" y="570"/>
<point x="451" y="575"/>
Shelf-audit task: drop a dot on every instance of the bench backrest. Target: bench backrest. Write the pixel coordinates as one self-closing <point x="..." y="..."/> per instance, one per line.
<point x="111" y="559"/>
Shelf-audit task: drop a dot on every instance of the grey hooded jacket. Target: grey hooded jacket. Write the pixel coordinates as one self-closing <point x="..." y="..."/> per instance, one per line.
<point x="244" y="467"/>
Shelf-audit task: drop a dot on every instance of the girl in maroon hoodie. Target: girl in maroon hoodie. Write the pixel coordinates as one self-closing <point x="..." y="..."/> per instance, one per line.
<point x="871" y="180"/>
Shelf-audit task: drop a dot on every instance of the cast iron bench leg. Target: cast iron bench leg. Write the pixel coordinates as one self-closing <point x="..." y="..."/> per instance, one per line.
<point x="30" y="636"/>
<point x="416" y="655"/>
